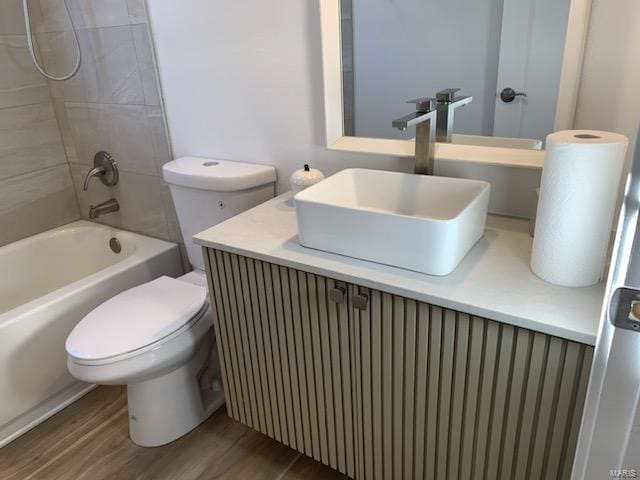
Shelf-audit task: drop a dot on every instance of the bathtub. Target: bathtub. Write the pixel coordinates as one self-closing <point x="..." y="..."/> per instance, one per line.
<point x="48" y="283"/>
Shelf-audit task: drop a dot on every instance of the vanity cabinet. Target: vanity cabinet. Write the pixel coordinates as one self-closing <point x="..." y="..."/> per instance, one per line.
<point x="380" y="386"/>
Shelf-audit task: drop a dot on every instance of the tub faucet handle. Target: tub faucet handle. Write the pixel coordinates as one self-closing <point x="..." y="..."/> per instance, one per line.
<point x="105" y="168"/>
<point x="94" y="172"/>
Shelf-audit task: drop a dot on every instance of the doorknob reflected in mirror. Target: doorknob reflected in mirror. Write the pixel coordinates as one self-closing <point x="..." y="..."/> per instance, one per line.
<point x="508" y="95"/>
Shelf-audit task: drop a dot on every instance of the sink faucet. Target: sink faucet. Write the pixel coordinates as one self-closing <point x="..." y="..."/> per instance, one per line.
<point x="110" y="206"/>
<point x="446" y="103"/>
<point x="424" y="119"/>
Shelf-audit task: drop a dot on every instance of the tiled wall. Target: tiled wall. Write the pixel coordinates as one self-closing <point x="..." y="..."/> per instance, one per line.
<point x="112" y="104"/>
<point x="36" y="192"/>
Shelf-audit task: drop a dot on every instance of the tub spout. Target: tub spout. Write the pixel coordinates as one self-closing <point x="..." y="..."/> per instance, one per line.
<point x="110" y="206"/>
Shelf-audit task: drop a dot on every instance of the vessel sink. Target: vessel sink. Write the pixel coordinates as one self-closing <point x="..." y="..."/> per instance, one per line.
<point x="417" y="222"/>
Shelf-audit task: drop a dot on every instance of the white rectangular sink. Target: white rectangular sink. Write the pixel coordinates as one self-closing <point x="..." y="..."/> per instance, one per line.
<point x="421" y="223"/>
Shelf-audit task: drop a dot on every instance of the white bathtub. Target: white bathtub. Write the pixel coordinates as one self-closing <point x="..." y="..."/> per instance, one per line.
<point x="48" y="283"/>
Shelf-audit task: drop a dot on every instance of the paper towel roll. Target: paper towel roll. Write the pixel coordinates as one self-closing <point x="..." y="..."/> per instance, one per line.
<point x="580" y="183"/>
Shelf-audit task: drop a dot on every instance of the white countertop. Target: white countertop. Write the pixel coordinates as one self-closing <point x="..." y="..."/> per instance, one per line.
<point x="493" y="281"/>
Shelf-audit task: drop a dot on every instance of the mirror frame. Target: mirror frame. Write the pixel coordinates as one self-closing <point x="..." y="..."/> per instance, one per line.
<point x="575" y="40"/>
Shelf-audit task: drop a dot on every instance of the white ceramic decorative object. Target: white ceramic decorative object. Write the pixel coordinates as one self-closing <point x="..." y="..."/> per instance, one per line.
<point x="418" y="222"/>
<point x="301" y="179"/>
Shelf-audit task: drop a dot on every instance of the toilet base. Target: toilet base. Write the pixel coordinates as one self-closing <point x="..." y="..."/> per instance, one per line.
<point x="165" y="408"/>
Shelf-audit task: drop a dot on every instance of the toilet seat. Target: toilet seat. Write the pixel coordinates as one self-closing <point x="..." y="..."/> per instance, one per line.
<point x="136" y="321"/>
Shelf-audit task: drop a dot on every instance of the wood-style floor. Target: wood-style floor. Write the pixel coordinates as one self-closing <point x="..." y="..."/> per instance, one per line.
<point x="89" y="440"/>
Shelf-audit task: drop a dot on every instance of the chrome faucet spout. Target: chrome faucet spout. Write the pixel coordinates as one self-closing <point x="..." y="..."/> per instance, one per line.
<point x="447" y="102"/>
<point x="412" y="120"/>
<point x="424" y="119"/>
<point x="110" y="206"/>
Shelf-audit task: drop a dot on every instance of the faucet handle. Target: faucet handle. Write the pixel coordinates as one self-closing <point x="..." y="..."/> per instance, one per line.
<point x="424" y="104"/>
<point x="447" y="95"/>
<point x="105" y="168"/>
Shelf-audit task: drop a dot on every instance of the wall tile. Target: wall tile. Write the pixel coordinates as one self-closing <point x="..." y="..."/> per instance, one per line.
<point x="109" y="71"/>
<point x="112" y="104"/>
<point x="51" y="15"/>
<point x="36" y="202"/>
<point x="175" y="234"/>
<point x="122" y="130"/>
<point x="146" y="65"/>
<point x="65" y="130"/>
<point x="48" y="15"/>
<point x="159" y="138"/>
<point x="137" y="11"/>
<point x="99" y="13"/>
<point x="29" y="140"/>
<point x="20" y="82"/>
<point x="11" y="19"/>
<point x="142" y="208"/>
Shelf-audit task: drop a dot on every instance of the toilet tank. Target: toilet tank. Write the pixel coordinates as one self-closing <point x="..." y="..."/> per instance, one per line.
<point x="206" y="192"/>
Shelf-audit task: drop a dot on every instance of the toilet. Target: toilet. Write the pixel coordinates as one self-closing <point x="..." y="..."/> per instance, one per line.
<point x="157" y="338"/>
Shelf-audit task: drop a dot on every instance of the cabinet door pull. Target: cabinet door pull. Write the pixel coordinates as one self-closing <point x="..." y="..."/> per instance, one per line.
<point x="337" y="294"/>
<point x="360" y="301"/>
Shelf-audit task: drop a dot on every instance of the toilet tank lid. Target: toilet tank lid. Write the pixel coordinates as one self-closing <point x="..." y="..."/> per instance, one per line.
<point x="217" y="175"/>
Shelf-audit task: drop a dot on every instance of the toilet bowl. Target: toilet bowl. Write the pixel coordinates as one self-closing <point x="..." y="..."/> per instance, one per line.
<point x="168" y="361"/>
<point x="158" y="338"/>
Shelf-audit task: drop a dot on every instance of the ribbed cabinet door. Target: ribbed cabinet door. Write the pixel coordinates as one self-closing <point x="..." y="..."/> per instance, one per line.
<point x="286" y="355"/>
<point x="445" y="395"/>
<point x="383" y="387"/>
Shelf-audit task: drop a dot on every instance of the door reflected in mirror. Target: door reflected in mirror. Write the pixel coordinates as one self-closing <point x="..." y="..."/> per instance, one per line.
<point x="506" y="54"/>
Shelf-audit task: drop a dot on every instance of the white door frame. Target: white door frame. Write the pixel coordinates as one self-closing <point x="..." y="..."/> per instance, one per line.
<point x="610" y="431"/>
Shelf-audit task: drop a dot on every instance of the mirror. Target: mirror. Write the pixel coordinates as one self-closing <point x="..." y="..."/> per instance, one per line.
<point x="514" y="57"/>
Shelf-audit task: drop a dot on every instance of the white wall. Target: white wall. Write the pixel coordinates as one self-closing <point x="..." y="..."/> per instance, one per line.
<point x="413" y="48"/>
<point x="609" y="97"/>
<point x="243" y="81"/>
